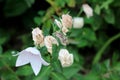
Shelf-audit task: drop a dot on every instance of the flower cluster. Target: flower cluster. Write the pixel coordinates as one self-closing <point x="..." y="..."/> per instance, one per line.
<point x="33" y="56"/>
<point x="65" y="23"/>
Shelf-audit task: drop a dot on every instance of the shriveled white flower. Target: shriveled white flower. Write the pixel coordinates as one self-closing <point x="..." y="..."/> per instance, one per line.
<point x="78" y="22"/>
<point x="31" y="55"/>
<point x="64" y="30"/>
<point x="38" y="37"/>
<point x="65" y="58"/>
<point x="63" y="39"/>
<point x="67" y="21"/>
<point x="58" y="23"/>
<point x="65" y="24"/>
<point x="88" y="10"/>
<point x="48" y="41"/>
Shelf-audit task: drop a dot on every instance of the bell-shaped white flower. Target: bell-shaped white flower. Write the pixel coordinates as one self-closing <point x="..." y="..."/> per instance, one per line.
<point x="31" y="55"/>
<point x="65" y="58"/>
<point x="48" y="41"/>
<point x="88" y="10"/>
<point x="78" y="22"/>
<point x="38" y="37"/>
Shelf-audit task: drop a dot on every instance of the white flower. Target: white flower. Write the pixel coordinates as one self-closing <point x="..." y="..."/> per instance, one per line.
<point x="65" y="58"/>
<point x="63" y="39"/>
<point x="48" y="41"/>
<point x="31" y="55"/>
<point x="66" y="21"/>
<point x="38" y="37"/>
<point x="78" y="22"/>
<point x="88" y="10"/>
<point x="64" y="30"/>
<point x="58" y="23"/>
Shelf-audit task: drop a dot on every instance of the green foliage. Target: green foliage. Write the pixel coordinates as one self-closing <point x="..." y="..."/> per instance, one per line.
<point x="17" y="7"/>
<point x="96" y="46"/>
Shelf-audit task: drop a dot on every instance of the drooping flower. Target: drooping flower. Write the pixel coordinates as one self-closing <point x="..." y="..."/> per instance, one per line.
<point x="88" y="10"/>
<point x="31" y="55"/>
<point x="65" y="58"/>
<point x="48" y="41"/>
<point x="78" y="22"/>
<point x="38" y="37"/>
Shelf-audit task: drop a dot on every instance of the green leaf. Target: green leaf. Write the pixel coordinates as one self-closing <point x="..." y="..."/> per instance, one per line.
<point x="117" y="67"/>
<point x="57" y="66"/>
<point x="47" y="27"/>
<point x="57" y="76"/>
<point x="1" y="49"/>
<point x="109" y="16"/>
<point x="106" y="4"/>
<point x="37" y="20"/>
<point x="71" y="3"/>
<point x="60" y="3"/>
<point x="97" y="9"/>
<point x="55" y="51"/>
<point x="44" y="73"/>
<point x="72" y="70"/>
<point x="91" y="76"/>
<point x="88" y="34"/>
<point x="82" y="42"/>
<point x="16" y="7"/>
<point x="24" y="71"/>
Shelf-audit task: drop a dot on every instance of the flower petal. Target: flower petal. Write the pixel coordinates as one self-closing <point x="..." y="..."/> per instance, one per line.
<point x="36" y="64"/>
<point x="58" y="23"/>
<point x="23" y="58"/>
<point x="33" y="50"/>
<point x="44" y="62"/>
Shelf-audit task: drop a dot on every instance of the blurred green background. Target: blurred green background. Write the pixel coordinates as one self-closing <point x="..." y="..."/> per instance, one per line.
<point x="97" y="48"/>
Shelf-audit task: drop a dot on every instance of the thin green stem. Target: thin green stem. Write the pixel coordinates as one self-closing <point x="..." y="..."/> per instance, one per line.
<point x="79" y="13"/>
<point x="101" y="51"/>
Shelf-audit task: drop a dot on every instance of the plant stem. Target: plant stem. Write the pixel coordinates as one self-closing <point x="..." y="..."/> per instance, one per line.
<point x="101" y="51"/>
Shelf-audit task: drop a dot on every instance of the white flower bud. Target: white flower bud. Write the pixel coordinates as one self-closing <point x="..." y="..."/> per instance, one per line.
<point x="58" y="23"/>
<point x="38" y="37"/>
<point x="65" y="58"/>
<point x="88" y="10"/>
<point x="67" y="21"/>
<point x="48" y="41"/>
<point x="64" y="30"/>
<point x="78" y="22"/>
